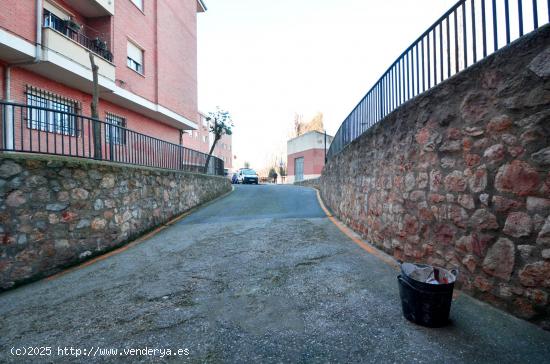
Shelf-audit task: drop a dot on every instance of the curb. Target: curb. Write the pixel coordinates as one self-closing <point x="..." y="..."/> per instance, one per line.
<point x="363" y="244"/>
<point x="139" y="240"/>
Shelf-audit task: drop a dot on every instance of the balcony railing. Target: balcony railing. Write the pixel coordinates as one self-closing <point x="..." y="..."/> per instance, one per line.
<point x="467" y="33"/>
<point x="97" y="45"/>
<point x="56" y="130"/>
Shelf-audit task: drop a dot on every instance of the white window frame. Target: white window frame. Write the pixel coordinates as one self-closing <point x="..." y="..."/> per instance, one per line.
<point x="134" y="64"/>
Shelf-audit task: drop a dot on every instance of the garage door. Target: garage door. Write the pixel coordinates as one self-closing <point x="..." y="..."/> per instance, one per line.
<point x="299" y="168"/>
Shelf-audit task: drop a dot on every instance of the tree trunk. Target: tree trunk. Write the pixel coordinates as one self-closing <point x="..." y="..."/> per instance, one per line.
<point x="216" y="138"/>
<point x="96" y="126"/>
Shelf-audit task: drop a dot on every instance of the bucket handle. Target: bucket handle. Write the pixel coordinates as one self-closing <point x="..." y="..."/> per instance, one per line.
<point x="454" y="271"/>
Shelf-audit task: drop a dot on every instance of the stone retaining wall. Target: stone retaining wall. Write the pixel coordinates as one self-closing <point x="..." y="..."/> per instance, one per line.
<point x="57" y="211"/>
<point x="459" y="177"/>
<point x="314" y="182"/>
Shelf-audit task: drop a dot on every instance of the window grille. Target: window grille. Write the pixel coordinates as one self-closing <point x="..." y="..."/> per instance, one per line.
<point x="114" y="129"/>
<point x="50" y="112"/>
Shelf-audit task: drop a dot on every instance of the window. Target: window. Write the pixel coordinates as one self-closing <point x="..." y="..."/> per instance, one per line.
<point x="135" y="58"/>
<point x="205" y="138"/>
<point x="113" y="133"/>
<point x="138" y="3"/>
<point x="50" y="8"/>
<point x="57" y="119"/>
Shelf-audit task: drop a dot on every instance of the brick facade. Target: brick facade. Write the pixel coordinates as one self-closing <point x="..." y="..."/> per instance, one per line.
<point x="224" y="151"/>
<point x="201" y="140"/>
<point x="311" y="148"/>
<point x="314" y="161"/>
<point x="198" y="139"/>
<point x="165" y="30"/>
<point x="22" y="78"/>
<point x="18" y="17"/>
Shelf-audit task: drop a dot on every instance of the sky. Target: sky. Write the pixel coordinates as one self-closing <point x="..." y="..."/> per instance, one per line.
<point x="265" y="60"/>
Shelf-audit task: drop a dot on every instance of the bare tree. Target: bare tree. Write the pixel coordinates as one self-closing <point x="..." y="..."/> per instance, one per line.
<point x="96" y="126"/>
<point x="315" y="124"/>
<point x="221" y="125"/>
<point x="298" y="124"/>
<point x="302" y="127"/>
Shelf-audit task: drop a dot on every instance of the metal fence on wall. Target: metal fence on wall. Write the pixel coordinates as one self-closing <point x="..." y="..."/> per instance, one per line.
<point x="467" y="33"/>
<point x="53" y="126"/>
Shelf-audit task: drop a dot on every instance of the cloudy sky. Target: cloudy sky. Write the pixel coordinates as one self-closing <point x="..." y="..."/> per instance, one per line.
<point x="264" y="60"/>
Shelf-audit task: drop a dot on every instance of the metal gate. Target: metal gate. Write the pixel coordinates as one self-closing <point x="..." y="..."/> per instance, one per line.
<point x="299" y="168"/>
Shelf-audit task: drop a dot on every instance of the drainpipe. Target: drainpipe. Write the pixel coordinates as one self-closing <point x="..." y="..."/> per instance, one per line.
<point x="8" y="121"/>
<point x="39" y="12"/>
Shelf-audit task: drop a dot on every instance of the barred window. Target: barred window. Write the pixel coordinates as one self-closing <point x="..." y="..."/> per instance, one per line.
<point x="113" y="133"/>
<point x="50" y="113"/>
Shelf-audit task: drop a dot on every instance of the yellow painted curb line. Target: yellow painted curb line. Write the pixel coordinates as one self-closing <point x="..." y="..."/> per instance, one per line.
<point x="355" y="237"/>
<point x="138" y="240"/>
<point x="386" y="258"/>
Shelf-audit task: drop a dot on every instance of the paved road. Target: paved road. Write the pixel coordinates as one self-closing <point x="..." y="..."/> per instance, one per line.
<point x="259" y="276"/>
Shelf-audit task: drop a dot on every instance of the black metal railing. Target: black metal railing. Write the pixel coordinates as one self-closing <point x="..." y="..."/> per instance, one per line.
<point x="34" y="128"/>
<point x="467" y="33"/>
<point x="98" y="45"/>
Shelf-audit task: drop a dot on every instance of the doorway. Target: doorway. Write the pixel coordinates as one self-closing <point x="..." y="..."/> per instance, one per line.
<point x="299" y="169"/>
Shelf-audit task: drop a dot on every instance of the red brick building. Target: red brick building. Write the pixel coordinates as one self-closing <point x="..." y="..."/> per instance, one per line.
<point x="146" y="52"/>
<point x="224" y="151"/>
<point x="306" y="156"/>
<point x="201" y="139"/>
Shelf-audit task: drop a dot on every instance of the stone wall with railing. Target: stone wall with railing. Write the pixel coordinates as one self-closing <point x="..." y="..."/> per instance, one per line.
<point x="58" y="211"/>
<point x="459" y="177"/>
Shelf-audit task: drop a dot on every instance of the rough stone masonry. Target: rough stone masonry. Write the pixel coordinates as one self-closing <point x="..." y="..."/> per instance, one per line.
<point x="459" y="177"/>
<point x="57" y="211"/>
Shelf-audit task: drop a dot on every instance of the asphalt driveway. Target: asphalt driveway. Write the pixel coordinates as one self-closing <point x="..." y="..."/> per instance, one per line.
<point x="261" y="275"/>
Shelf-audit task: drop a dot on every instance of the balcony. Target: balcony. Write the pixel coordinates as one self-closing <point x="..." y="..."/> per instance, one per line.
<point x="93" y="8"/>
<point x="72" y="30"/>
<point x="66" y="38"/>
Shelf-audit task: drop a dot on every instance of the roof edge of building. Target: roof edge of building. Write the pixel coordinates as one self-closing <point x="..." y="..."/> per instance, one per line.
<point x="309" y="132"/>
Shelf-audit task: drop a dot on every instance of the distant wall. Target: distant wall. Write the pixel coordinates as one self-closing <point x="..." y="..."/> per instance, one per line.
<point x="314" y="161"/>
<point x="57" y="211"/>
<point x="313" y="183"/>
<point x="459" y="177"/>
<point x="307" y="141"/>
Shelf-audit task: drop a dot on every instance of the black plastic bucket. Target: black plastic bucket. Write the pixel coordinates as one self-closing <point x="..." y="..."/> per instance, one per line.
<point x="426" y="304"/>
